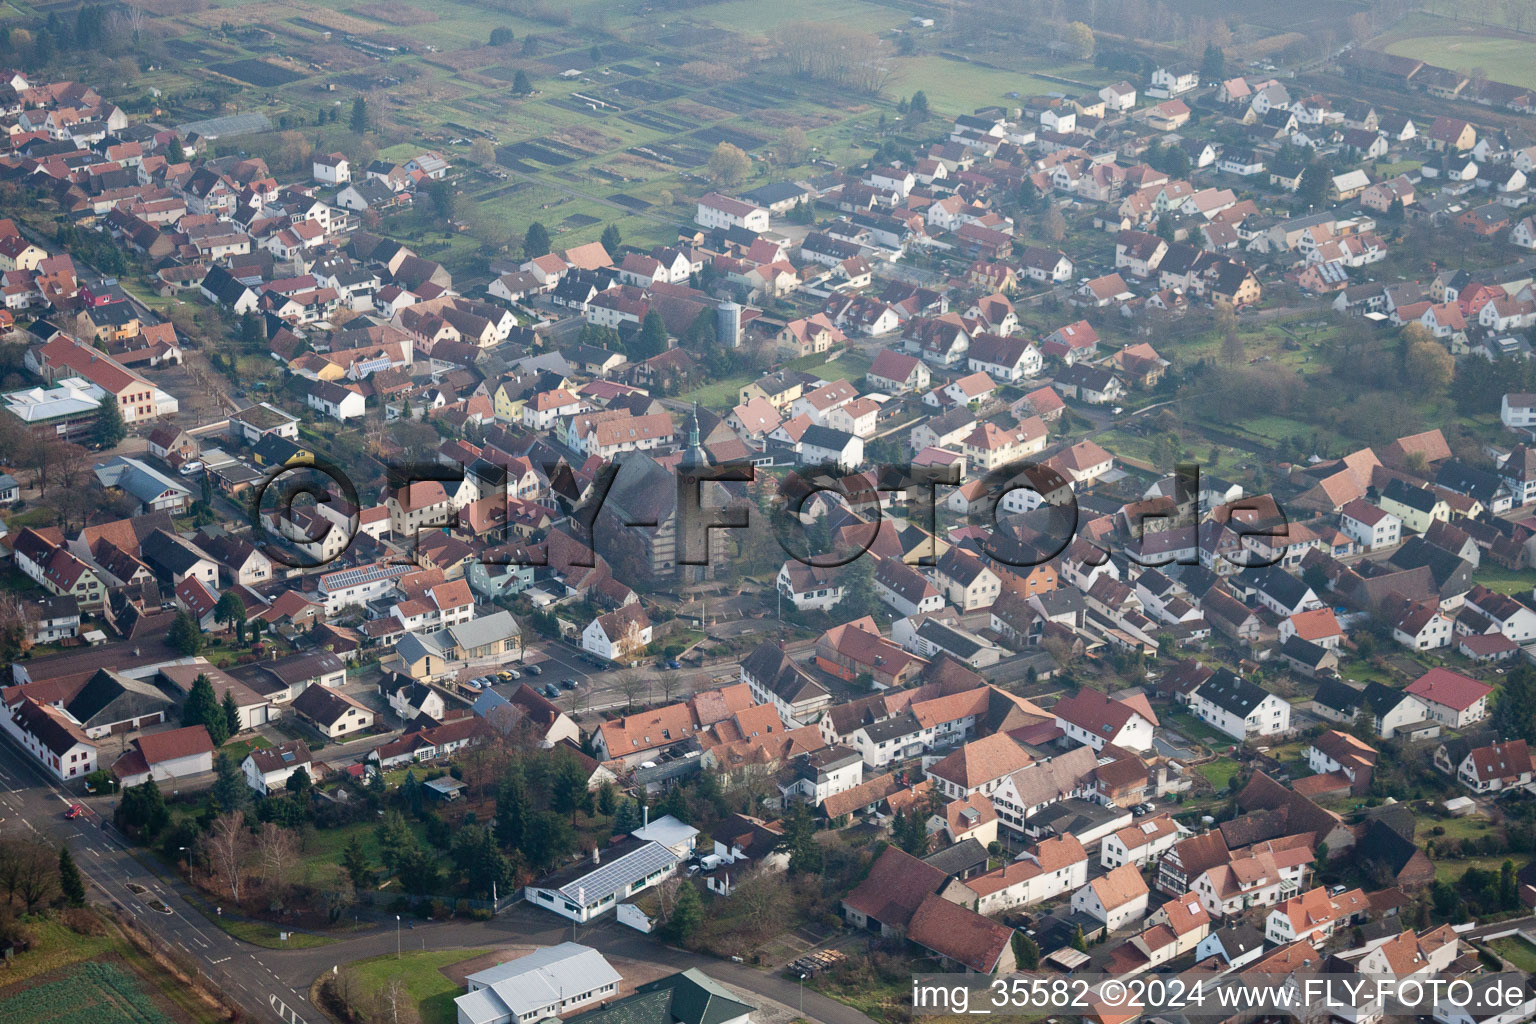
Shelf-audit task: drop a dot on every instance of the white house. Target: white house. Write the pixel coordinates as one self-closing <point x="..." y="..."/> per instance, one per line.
<point x="1053" y="867"/>
<point x="583" y="890"/>
<point x="1140" y="844"/>
<point x="1117" y="898"/>
<point x="1174" y="80"/>
<point x="267" y="769"/>
<point x="1517" y="411"/>
<point x="1095" y="719"/>
<point x="1240" y="707"/>
<point x="718" y="211"/>
<point x="1454" y="700"/>
<point x="618" y="636"/>
<point x="332" y="169"/>
<point x="1314" y="916"/>
<point x="52" y="738"/>
<point x="546" y="983"/>
<point x="336" y="401"/>
<point x="1370" y="526"/>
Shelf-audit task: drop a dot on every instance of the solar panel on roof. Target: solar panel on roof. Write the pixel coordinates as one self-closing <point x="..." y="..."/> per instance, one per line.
<point x="610" y="878"/>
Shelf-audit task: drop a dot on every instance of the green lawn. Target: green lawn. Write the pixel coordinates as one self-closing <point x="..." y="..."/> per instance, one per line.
<point x="1451" y="870"/>
<point x="722" y="394"/>
<point x="1505" y="581"/>
<point x="422" y="975"/>
<point x="1502" y="60"/>
<point x="1519" y="953"/>
<point x="1471" y="827"/>
<point x="1219" y="772"/>
<point x="238" y="749"/>
<point x="268" y="936"/>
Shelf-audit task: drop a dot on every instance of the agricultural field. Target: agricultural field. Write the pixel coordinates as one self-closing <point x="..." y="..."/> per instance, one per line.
<point x="94" y="993"/>
<point x="623" y="115"/>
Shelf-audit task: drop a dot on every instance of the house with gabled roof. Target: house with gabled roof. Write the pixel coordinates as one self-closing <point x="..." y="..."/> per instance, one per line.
<point x="1117" y="898"/>
<point x="1096" y="719"/>
<point x="1240" y="707"/>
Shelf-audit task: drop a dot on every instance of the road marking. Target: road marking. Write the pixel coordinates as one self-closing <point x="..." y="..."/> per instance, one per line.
<point x="218" y="961"/>
<point x="283" y="1011"/>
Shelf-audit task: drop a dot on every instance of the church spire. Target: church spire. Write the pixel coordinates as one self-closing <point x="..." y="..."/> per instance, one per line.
<point x="695" y="455"/>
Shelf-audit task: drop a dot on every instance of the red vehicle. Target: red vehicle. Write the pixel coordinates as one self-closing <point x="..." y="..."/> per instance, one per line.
<point x="75" y="810"/>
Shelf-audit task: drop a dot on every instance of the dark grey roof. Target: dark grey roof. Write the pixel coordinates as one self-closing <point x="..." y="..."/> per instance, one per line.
<point x="825" y="437"/>
<point x="1418" y="498"/>
<point x="108" y="698"/>
<point x="1338" y="695"/>
<point x="690" y="997"/>
<point x="1232" y="693"/>
<point x="959" y="858"/>
<point x="1381" y="698"/>
<point x="948" y="639"/>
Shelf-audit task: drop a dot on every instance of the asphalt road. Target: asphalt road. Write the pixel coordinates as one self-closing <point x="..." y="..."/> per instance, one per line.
<point x="273" y="985"/>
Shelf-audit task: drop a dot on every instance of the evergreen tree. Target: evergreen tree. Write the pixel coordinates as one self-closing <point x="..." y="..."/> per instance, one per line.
<point x="676" y="804"/>
<point x="176" y="153"/>
<point x="202" y="708"/>
<point x="917" y="106"/>
<point x="860" y="598"/>
<point x="394" y="837"/>
<point x="231" y="713"/>
<point x="186" y="637"/>
<point x="511" y="810"/>
<point x="70" y="882"/>
<point x="501" y="36"/>
<point x="359" y="122"/>
<point x="535" y="241"/>
<point x="1026" y="951"/>
<point x="607" y="798"/>
<point x="548" y="839"/>
<point x="1079" y="941"/>
<point x="229" y="610"/>
<point x="411" y="792"/>
<point x="1514" y="706"/>
<point x="354" y="859"/>
<point x="229" y="787"/>
<point x="652" y="339"/>
<point x="520" y="82"/>
<point x="687" y="914"/>
<point x="1213" y="64"/>
<point x="301" y="786"/>
<point x="627" y="818"/>
<point x="252" y="334"/>
<point x="484" y="867"/>
<point x="108" y="430"/>
<point x="568" y="788"/>
<point x="800" y="841"/>
<point x="142" y="810"/>
<point x="611" y="239"/>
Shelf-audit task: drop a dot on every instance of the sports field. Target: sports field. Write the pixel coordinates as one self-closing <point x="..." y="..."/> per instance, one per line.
<point x="1502" y="60"/>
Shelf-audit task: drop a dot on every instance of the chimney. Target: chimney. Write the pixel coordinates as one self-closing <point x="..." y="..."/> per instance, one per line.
<point x="596" y="857"/>
<point x="645" y="812"/>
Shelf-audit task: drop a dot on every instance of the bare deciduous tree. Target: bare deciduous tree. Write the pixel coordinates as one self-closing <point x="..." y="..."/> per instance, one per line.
<point x="277" y="851"/>
<point x="226" y="847"/>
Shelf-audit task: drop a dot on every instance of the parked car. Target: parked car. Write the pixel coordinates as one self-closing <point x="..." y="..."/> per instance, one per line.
<point x="533" y="670"/>
<point x="511" y="675"/>
<point x="568" y="684"/>
<point x="673" y="663"/>
<point x="551" y="690"/>
<point x="188" y="468"/>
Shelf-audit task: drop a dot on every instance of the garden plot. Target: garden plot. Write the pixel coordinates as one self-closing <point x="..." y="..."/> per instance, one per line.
<point x="257" y="72"/>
